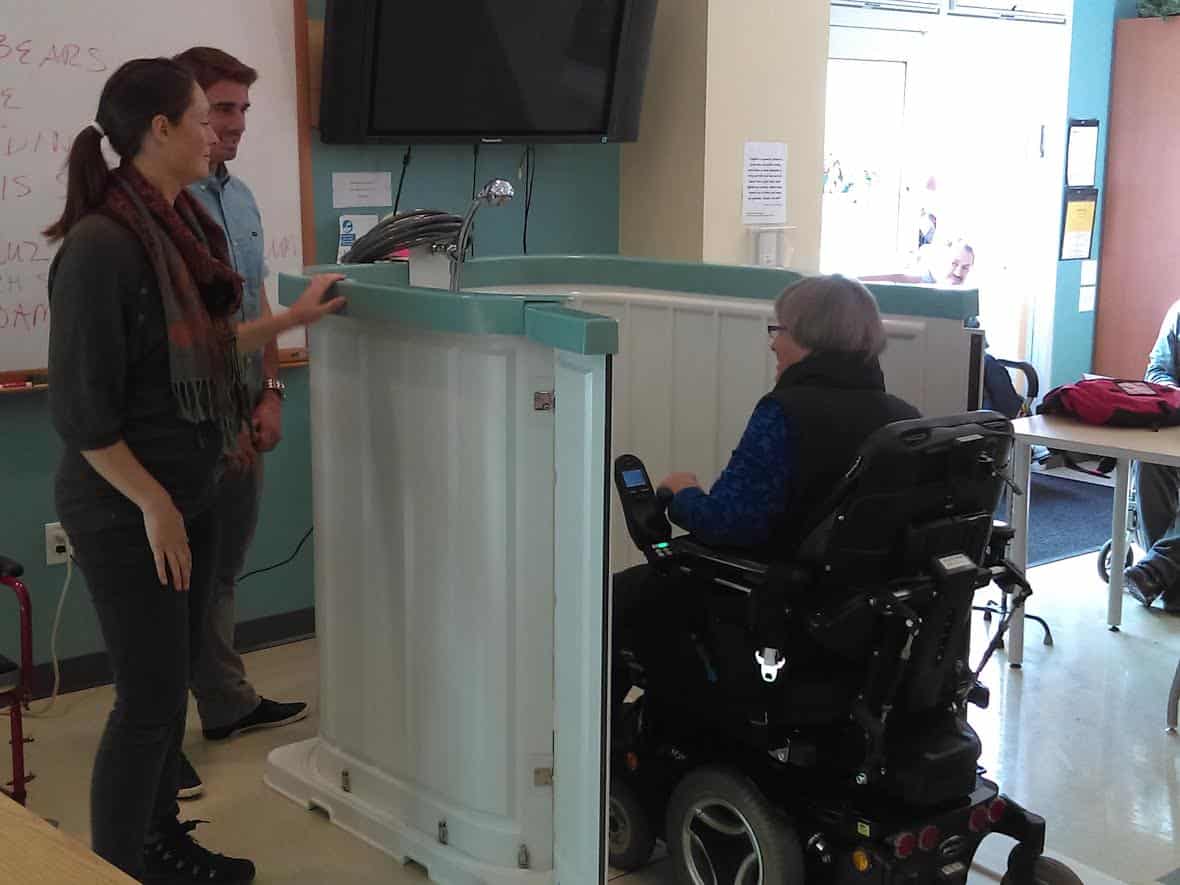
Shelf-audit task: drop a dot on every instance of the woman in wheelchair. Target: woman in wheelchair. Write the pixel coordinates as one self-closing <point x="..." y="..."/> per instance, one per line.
<point x="790" y="681"/>
<point x="801" y="438"/>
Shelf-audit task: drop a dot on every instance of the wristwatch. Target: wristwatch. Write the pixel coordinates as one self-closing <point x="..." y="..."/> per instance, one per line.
<point x="276" y="385"/>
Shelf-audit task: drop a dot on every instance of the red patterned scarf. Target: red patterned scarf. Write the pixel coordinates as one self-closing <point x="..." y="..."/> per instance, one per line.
<point x="200" y="290"/>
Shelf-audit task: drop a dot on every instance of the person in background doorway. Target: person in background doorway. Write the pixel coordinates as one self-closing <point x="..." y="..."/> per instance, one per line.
<point x="1157" y="497"/>
<point x="227" y="702"/>
<point x="956" y="267"/>
<point x="927" y="228"/>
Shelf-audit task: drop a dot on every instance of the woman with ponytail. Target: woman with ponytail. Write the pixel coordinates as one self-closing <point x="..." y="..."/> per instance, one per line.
<point x="146" y="394"/>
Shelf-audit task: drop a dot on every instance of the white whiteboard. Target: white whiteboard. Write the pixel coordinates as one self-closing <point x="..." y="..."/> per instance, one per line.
<point x="55" y="57"/>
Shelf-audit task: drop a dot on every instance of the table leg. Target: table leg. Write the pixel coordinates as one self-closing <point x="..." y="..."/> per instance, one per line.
<point x="1118" y="543"/>
<point x="1018" y="554"/>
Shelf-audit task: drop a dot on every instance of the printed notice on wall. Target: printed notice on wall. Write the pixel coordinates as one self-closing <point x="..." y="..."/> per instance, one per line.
<point x="764" y="183"/>
<point x="351" y="190"/>
<point x="1077" y="233"/>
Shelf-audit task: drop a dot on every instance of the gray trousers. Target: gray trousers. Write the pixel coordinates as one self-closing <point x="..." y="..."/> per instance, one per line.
<point x="1158" y="504"/>
<point x="218" y="677"/>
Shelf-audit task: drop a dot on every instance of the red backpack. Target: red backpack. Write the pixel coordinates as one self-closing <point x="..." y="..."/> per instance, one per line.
<point x="1116" y="402"/>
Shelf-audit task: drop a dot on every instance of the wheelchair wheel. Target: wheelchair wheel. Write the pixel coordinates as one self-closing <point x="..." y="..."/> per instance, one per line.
<point x="721" y="830"/>
<point x="1048" y="872"/>
<point x="630" y="840"/>
<point x="1104" y="561"/>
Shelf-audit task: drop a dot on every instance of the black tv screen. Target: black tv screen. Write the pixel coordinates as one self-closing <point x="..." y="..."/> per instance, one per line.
<point x="484" y="70"/>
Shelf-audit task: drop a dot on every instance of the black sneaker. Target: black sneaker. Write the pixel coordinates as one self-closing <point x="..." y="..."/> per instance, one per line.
<point x="189" y="784"/>
<point x="268" y="714"/>
<point x="173" y="857"/>
<point x="1142" y="584"/>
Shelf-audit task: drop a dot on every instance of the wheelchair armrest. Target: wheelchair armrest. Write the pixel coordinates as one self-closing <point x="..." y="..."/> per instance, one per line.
<point x="686" y="548"/>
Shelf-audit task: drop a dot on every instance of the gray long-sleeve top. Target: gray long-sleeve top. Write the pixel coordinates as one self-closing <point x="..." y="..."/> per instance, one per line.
<point x="1163" y="366"/>
<point x="110" y="380"/>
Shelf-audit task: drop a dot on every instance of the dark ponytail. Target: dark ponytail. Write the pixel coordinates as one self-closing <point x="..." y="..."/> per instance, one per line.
<point x="135" y="94"/>
<point x="88" y="173"/>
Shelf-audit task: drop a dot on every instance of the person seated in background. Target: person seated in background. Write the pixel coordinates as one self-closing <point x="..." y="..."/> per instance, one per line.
<point x="801" y="439"/>
<point x="956" y="265"/>
<point x="1158" y="493"/>
<point x="999" y="393"/>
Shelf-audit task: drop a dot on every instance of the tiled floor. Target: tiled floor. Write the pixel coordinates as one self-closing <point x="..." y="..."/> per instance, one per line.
<point x="1077" y="736"/>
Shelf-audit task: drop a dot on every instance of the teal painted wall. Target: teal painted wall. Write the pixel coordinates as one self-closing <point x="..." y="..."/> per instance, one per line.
<point x="575" y="210"/>
<point x="575" y="196"/>
<point x="575" y="205"/>
<point x="1089" y="98"/>
<point x="29" y="451"/>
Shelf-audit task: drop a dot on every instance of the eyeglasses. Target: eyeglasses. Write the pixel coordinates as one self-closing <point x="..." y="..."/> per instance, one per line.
<point x="772" y="330"/>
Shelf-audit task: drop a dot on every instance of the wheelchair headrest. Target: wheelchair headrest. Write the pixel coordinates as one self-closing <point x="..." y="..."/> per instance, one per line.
<point x="917" y="489"/>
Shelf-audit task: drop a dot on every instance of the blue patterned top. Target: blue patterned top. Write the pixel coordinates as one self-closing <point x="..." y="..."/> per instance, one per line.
<point x="751" y="492"/>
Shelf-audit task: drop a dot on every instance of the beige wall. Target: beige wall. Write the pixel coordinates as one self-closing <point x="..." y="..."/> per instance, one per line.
<point x="767" y="63"/>
<point x="662" y="174"/>
<point x="724" y="72"/>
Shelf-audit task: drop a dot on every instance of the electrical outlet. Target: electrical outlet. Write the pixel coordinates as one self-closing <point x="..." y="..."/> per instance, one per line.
<point x="57" y="544"/>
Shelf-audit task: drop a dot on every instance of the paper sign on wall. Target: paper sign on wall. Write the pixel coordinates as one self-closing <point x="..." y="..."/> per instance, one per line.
<point x="1077" y="234"/>
<point x="352" y="228"/>
<point x="764" y="183"/>
<point x="1081" y="168"/>
<point x="351" y="190"/>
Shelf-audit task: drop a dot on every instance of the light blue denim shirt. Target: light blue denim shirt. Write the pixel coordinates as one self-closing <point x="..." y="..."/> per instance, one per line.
<point x="1163" y="366"/>
<point x="232" y="205"/>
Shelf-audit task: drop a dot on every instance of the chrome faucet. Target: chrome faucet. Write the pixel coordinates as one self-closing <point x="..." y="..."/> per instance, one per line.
<point x="496" y="192"/>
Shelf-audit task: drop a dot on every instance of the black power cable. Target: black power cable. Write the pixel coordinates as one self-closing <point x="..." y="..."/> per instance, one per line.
<point x="474" y="174"/>
<point x="474" y="167"/>
<point x="402" y="179"/>
<point x="268" y="568"/>
<point x="530" y="173"/>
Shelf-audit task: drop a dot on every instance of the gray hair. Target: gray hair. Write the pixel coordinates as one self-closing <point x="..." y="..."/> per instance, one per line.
<point x="832" y="313"/>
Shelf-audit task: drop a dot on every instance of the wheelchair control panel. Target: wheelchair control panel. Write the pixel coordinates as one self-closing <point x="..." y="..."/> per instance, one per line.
<point x="644" y="508"/>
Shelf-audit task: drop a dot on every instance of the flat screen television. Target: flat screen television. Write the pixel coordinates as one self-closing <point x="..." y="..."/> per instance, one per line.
<point x="484" y="71"/>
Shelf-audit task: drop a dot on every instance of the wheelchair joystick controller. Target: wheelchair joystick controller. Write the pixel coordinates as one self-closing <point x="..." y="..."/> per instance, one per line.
<point x="644" y="509"/>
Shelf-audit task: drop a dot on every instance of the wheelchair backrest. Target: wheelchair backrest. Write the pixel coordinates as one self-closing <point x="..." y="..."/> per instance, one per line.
<point x="919" y="491"/>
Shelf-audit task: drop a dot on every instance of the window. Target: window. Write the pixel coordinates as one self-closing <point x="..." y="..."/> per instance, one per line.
<point x="929" y="6"/>
<point x="1049" y="11"/>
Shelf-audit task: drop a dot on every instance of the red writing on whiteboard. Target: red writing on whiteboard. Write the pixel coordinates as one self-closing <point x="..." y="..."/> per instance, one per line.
<point x="283" y="247"/>
<point x="8" y="100"/>
<point x="23" y="317"/>
<point x="45" y="141"/>
<point x="14" y="187"/>
<point x="21" y="252"/>
<point x="19" y="52"/>
<point x="69" y="55"/>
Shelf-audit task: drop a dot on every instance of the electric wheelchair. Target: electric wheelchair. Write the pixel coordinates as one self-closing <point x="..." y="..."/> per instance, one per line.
<point x="802" y="717"/>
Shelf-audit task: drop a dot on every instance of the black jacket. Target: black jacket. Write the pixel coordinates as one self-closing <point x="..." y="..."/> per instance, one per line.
<point x="835" y="401"/>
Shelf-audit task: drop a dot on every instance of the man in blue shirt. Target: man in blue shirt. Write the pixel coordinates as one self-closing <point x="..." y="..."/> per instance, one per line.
<point x="1158" y="493"/>
<point x="226" y="701"/>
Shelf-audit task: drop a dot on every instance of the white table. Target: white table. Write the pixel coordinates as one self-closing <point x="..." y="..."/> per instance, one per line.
<point x="1121" y="443"/>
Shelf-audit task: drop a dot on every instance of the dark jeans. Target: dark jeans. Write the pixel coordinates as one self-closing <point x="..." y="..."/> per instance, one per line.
<point x="1157" y="494"/>
<point x="218" y="678"/>
<point x="151" y="635"/>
